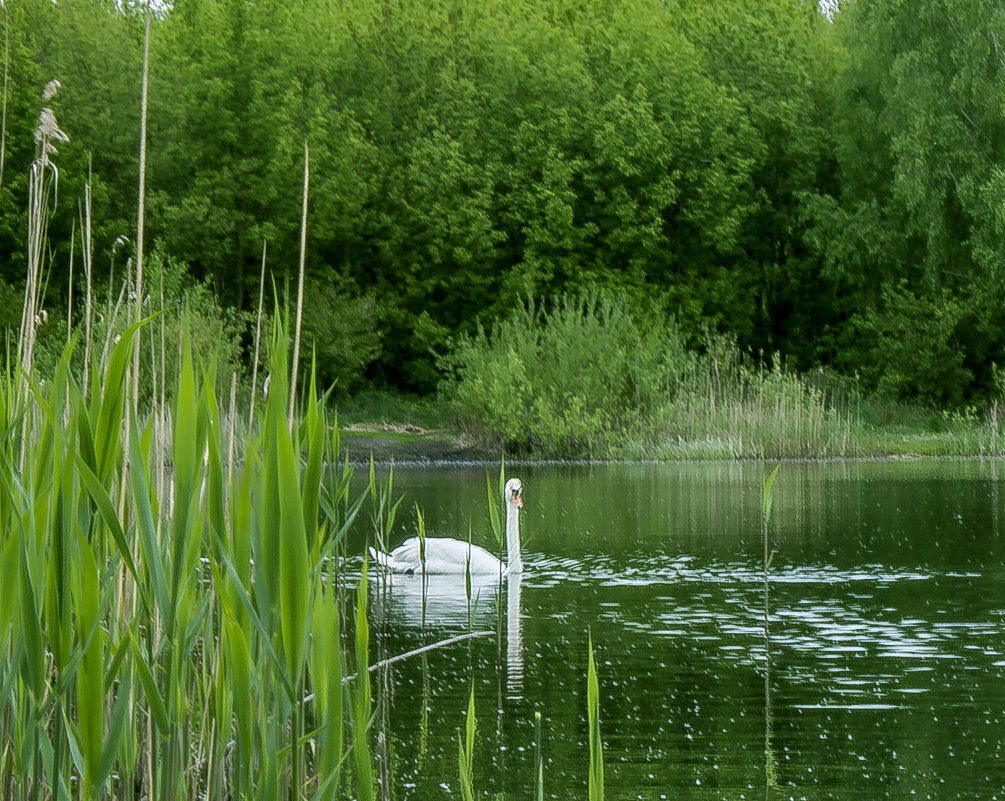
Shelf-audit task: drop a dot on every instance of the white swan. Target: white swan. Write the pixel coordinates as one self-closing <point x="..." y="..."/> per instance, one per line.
<point x="446" y="555"/>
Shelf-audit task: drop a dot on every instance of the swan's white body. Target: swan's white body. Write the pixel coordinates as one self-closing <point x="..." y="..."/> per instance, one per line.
<point x="446" y="555"/>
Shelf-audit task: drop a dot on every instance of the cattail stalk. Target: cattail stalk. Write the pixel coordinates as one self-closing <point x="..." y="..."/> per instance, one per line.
<point x="141" y="210"/>
<point x="6" y="68"/>
<point x="258" y="337"/>
<point x="86" y="247"/>
<point x="300" y="287"/>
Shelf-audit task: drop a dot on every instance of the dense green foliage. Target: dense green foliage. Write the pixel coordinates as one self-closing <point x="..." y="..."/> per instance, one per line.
<point x="828" y="190"/>
<point x="590" y="376"/>
<point x="566" y="380"/>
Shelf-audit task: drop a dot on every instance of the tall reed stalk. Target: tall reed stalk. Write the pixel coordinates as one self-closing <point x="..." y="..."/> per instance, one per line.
<point x="142" y="196"/>
<point x="43" y="183"/>
<point x="3" y="103"/>
<point x="300" y="284"/>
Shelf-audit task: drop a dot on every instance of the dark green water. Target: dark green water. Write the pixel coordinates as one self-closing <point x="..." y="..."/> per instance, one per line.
<point x="879" y="673"/>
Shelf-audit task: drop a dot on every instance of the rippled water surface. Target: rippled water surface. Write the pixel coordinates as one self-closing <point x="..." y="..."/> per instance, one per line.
<point x="869" y="664"/>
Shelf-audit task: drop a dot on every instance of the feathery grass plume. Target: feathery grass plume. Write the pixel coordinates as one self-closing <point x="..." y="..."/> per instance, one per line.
<point x="43" y="184"/>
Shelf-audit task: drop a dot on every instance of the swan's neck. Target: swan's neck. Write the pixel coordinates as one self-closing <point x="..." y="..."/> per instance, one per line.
<point x="514" y="564"/>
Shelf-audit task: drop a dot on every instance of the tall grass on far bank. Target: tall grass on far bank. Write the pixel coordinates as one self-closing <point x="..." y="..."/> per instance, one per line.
<point x="723" y="408"/>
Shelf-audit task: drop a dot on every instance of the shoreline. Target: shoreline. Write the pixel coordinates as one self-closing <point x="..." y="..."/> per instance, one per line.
<point x="412" y="447"/>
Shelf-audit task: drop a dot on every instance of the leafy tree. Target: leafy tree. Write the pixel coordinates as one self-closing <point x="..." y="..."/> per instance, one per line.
<point x="916" y="213"/>
<point x="774" y="59"/>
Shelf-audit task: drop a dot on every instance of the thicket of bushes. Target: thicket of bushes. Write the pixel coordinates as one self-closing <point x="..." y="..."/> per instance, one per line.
<point x="592" y="374"/>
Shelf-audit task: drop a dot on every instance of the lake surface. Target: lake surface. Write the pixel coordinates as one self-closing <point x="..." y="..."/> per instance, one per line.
<point x="869" y="665"/>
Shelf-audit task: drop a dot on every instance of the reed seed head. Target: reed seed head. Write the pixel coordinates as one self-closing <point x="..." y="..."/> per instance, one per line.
<point x="48" y="131"/>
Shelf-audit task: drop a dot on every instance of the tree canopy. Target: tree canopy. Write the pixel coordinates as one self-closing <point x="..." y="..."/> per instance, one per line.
<point x="829" y="188"/>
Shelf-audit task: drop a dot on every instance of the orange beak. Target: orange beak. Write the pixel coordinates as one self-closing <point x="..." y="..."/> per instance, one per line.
<point x="517" y="500"/>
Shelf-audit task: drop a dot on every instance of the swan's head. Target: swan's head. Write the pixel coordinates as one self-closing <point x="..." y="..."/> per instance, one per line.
<point x="514" y="493"/>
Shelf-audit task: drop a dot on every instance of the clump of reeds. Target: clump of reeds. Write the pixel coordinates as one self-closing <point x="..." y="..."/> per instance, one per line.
<point x="723" y="408"/>
<point x="160" y="646"/>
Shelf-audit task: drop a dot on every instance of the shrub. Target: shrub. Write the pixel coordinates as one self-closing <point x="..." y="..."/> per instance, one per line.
<point x="565" y="378"/>
<point x="173" y="295"/>
<point x="342" y="327"/>
<point x="914" y="350"/>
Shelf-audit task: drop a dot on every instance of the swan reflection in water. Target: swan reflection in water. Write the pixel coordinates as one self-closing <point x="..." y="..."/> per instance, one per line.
<point x="427" y="582"/>
<point x="439" y="604"/>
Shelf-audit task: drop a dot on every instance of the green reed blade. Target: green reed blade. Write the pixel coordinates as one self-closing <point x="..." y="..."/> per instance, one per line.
<point x="8" y="600"/>
<point x="237" y="658"/>
<point x="216" y="474"/>
<point x="315" y="428"/>
<point x="156" y="702"/>
<point x="118" y="656"/>
<point x="33" y="662"/>
<point x="265" y="640"/>
<point x="326" y="673"/>
<point x="271" y="526"/>
<point x="767" y="493"/>
<point x="116" y="727"/>
<point x="108" y="424"/>
<point x="596" y="780"/>
<point x="73" y="742"/>
<point x="56" y="603"/>
<point x="465" y="752"/>
<point x="294" y="567"/>
<point x="494" y="518"/>
<point x="349" y="518"/>
<point x="146" y="527"/>
<point x="85" y="439"/>
<point x="362" y="754"/>
<point x="90" y="672"/>
<point x="106" y="509"/>
<point x="187" y="447"/>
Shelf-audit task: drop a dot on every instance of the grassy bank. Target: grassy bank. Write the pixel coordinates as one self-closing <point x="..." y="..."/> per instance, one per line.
<point x="741" y="433"/>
